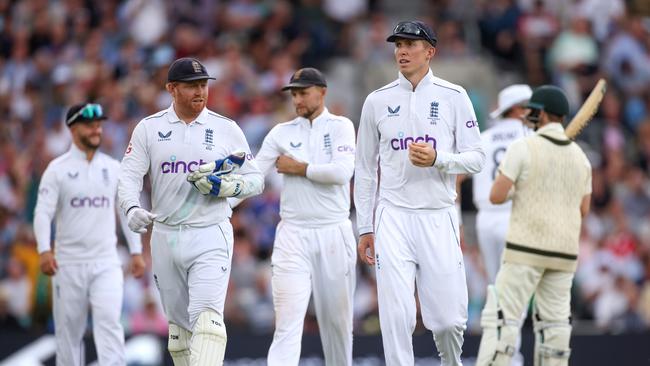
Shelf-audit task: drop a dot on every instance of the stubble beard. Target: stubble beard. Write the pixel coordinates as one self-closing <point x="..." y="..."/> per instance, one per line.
<point x="88" y="144"/>
<point x="309" y="113"/>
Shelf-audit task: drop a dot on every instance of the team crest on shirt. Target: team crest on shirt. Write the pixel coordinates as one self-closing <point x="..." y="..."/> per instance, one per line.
<point x="327" y="144"/>
<point x="208" y="139"/>
<point x="433" y="113"/>
<point x="164" y="136"/>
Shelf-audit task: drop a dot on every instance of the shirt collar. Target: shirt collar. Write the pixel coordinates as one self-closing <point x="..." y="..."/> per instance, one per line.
<point x="553" y="129"/>
<point x="172" y="117"/>
<point x="406" y="84"/>
<point x="77" y="153"/>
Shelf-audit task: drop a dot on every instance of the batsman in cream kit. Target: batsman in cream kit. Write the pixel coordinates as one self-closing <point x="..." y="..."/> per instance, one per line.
<point x="192" y="238"/>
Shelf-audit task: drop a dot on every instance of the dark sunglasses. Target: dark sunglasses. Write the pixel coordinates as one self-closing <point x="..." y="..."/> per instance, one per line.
<point x="89" y="111"/>
<point x="413" y="29"/>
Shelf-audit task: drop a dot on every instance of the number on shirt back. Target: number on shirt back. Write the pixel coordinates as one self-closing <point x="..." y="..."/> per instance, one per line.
<point x="497" y="156"/>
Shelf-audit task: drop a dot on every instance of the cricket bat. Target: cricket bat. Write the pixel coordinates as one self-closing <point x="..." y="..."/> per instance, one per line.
<point x="587" y="110"/>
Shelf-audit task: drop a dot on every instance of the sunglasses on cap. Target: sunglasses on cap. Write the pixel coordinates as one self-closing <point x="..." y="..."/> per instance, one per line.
<point x="414" y="29"/>
<point x="90" y="111"/>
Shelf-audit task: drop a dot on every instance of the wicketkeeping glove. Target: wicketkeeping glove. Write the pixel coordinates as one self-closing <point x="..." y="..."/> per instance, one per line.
<point x="219" y="167"/>
<point x="230" y="185"/>
<point x="138" y="219"/>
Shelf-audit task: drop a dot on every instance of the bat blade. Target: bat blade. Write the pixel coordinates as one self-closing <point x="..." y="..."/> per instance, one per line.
<point x="587" y="110"/>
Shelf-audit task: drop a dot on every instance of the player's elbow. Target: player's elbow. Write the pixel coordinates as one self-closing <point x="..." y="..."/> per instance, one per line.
<point x="585" y="205"/>
<point x="498" y="195"/>
<point x="477" y="162"/>
<point x="496" y="199"/>
<point x="343" y="177"/>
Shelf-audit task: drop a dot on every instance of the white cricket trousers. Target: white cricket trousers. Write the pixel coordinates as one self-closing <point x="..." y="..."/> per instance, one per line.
<point x="491" y="230"/>
<point x="323" y="260"/>
<point x="420" y="247"/>
<point x="75" y="288"/>
<point x="191" y="267"/>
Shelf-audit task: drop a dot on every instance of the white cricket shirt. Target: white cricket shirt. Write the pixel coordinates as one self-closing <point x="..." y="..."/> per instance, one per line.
<point x="496" y="140"/>
<point x="437" y="112"/>
<point x="168" y="149"/>
<point x="80" y="196"/>
<point x="327" y="146"/>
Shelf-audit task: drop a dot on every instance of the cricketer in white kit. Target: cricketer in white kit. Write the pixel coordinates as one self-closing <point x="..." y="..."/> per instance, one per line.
<point x="421" y="131"/>
<point x="192" y="238"/>
<point x="78" y="191"/>
<point x="314" y="247"/>
<point x="492" y="220"/>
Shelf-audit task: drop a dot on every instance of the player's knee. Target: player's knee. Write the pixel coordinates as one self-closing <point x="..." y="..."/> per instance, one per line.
<point x="449" y="342"/>
<point x="179" y="340"/>
<point x="552" y="338"/>
<point x="211" y="324"/>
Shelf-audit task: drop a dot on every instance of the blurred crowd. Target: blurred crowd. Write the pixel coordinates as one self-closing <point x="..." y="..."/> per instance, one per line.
<point x="57" y="53"/>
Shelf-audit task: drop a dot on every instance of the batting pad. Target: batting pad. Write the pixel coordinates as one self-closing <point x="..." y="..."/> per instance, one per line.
<point x="178" y="345"/>
<point x="208" y="340"/>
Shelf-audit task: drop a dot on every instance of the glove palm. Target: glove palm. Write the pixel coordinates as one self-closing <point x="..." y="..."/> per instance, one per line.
<point x="229" y="185"/>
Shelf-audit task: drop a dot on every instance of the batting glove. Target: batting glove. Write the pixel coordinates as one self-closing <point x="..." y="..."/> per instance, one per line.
<point x="219" y="167"/>
<point x="138" y="219"/>
<point x="230" y="185"/>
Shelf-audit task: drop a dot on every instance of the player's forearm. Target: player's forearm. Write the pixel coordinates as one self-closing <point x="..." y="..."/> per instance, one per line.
<point x="133" y="239"/>
<point x="468" y="162"/>
<point x="365" y="189"/>
<point x="331" y="173"/>
<point x="43" y="231"/>
<point x="253" y="185"/>
<point x="128" y="193"/>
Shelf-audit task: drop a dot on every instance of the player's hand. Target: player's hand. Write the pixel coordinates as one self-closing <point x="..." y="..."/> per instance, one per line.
<point x="229" y="185"/>
<point x="422" y="154"/>
<point x="138" y="219"/>
<point x="288" y="165"/>
<point x="219" y="167"/>
<point x="366" y="248"/>
<point x="137" y="265"/>
<point x="48" y="263"/>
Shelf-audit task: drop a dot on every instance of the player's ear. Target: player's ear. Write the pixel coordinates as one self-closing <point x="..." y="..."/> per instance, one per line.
<point x="432" y="51"/>
<point x="170" y="88"/>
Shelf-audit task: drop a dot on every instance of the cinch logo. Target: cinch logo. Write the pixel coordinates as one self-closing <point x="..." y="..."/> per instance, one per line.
<point x="470" y="124"/>
<point x="345" y="148"/>
<point x="402" y="143"/>
<point x="93" y="202"/>
<point x="180" y="166"/>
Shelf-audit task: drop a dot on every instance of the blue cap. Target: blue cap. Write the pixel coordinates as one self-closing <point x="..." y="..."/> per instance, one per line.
<point x="187" y="69"/>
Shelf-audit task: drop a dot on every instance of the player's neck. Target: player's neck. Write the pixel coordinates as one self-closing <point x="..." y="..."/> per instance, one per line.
<point x="316" y="114"/>
<point x="89" y="152"/>
<point x="185" y="114"/>
<point x="416" y="76"/>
